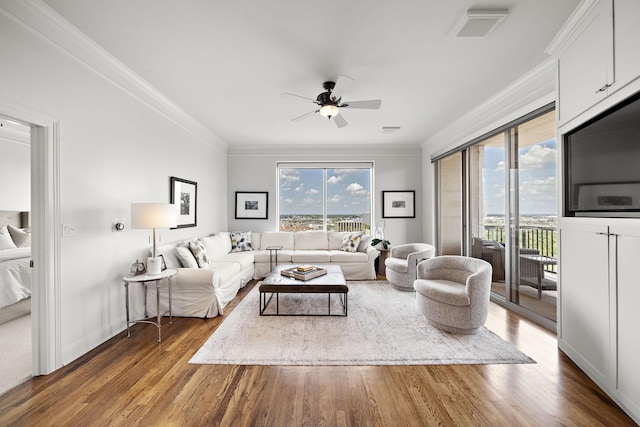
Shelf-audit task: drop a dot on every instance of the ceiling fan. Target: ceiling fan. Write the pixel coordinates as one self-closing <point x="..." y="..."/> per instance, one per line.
<point x="330" y="102"/>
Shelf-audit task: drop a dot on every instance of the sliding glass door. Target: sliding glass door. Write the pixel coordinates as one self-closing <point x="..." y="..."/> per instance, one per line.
<point x="497" y="202"/>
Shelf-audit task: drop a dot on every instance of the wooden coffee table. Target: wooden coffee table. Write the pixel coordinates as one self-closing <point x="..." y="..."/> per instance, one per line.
<point x="331" y="283"/>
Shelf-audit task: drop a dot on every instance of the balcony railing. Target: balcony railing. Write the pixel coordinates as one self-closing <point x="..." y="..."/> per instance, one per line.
<point x="544" y="239"/>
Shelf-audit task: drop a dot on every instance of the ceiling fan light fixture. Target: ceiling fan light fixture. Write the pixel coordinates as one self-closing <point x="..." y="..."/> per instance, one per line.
<point x="329" y="110"/>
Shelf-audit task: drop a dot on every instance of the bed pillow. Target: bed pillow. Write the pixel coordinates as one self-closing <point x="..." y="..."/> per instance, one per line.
<point x="241" y="241"/>
<point x="20" y="238"/>
<point x="6" y="242"/>
<point x="186" y="257"/>
<point x="199" y="253"/>
<point x="350" y="242"/>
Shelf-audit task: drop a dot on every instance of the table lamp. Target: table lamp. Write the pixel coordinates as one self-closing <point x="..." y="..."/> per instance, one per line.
<point x="153" y="216"/>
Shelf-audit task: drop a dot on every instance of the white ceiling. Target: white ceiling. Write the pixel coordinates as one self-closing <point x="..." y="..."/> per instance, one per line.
<point x="227" y="62"/>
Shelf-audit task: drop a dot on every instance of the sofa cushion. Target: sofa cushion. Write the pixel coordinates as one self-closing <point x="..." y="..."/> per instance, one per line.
<point x="199" y="253"/>
<point x="241" y="241"/>
<point x="245" y="259"/>
<point x="170" y="255"/>
<point x="335" y="239"/>
<point x="284" y="239"/>
<point x="443" y="291"/>
<point x="342" y="256"/>
<point x="226" y="240"/>
<point x="284" y="255"/>
<point x="216" y="246"/>
<point x="185" y="256"/>
<point x="304" y="240"/>
<point x="309" y="256"/>
<point x="350" y="242"/>
<point x="397" y="264"/>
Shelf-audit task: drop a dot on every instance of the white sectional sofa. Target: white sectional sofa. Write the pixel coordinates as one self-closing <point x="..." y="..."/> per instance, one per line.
<point x="203" y="290"/>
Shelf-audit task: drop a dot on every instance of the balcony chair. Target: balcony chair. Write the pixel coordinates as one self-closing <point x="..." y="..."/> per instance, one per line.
<point x="452" y="292"/>
<point x="402" y="261"/>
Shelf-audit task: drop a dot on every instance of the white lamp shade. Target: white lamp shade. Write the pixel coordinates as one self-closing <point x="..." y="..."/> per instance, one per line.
<point x="154" y="215"/>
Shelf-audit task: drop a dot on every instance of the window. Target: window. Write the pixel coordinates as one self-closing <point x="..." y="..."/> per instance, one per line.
<point x="327" y="196"/>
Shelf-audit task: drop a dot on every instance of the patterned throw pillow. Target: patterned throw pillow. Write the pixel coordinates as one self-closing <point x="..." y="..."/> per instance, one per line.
<point x="186" y="257"/>
<point x="350" y="242"/>
<point x="241" y="241"/>
<point x="21" y="238"/>
<point x="199" y="253"/>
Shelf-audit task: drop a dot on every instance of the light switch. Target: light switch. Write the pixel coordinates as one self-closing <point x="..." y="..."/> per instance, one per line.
<point x="69" y="230"/>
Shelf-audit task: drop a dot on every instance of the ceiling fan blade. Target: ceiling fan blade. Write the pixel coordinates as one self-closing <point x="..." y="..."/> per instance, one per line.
<point x="296" y="97"/>
<point x="340" y="121"/>
<point x="342" y="85"/>
<point x="304" y="116"/>
<point x="373" y="104"/>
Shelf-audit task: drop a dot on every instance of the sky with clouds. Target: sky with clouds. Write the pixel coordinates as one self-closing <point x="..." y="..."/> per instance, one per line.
<point x="537" y="176"/>
<point x="302" y="191"/>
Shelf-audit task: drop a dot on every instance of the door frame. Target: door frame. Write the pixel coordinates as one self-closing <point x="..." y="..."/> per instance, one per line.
<point x="46" y="234"/>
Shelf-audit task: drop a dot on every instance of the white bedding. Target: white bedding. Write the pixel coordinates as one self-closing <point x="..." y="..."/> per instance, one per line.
<point x="15" y="275"/>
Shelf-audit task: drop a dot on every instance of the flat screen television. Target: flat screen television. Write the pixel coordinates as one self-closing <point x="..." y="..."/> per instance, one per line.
<point x="602" y="164"/>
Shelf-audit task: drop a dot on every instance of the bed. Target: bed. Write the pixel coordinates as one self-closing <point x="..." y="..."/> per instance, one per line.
<point x="15" y="266"/>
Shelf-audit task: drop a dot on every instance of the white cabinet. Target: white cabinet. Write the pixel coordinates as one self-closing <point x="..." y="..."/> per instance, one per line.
<point x="586" y="66"/>
<point x="627" y="289"/>
<point x="599" y="312"/>
<point x="583" y="324"/>
<point x="627" y="36"/>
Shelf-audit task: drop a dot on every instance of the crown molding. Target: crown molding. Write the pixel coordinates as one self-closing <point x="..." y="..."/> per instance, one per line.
<point x="533" y="90"/>
<point x="45" y="22"/>
<point x="315" y="149"/>
<point x="570" y="27"/>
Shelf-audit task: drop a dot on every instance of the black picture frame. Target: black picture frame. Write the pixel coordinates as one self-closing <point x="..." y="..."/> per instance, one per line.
<point x="185" y="194"/>
<point x="399" y="204"/>
<point x="252" y="205"/>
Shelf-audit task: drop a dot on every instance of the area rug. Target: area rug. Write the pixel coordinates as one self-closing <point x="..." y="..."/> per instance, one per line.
<point x="383" y="327"/>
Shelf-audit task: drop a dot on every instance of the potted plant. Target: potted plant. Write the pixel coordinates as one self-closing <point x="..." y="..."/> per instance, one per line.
<point x="380" y="244"/>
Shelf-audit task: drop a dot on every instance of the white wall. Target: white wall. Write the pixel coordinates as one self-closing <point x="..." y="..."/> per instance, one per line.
<point x="15" y="181"/>
<point x="114" y="150"/>
<point x="395" y="168"/>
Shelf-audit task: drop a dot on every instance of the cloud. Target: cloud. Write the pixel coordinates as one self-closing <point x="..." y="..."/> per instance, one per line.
<point x="312" y="191"/>
<point x="538" y="156"/>
<point x="334" y="200"/>
<point x="355" y="188"/>
<point x="299" y="188"/>
<point x="335" y="179"/>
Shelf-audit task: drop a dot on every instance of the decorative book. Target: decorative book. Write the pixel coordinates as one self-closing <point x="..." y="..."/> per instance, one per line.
<point x="294" y="273"/>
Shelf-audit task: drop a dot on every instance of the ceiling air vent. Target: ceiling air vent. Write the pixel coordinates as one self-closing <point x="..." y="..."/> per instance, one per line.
<point x="480" y="22"/>
<point x="390" y="129"/>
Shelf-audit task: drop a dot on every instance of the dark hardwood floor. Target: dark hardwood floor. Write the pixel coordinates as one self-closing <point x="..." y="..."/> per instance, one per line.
<point x="136" y="381"/>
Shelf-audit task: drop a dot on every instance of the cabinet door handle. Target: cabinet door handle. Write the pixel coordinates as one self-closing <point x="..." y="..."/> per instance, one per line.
<point x="605" y="87"/>
<point x="607" y="234"/>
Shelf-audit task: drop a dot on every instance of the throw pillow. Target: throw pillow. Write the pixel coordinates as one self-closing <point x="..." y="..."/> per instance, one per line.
<point x="6" y="242"/>
<point x="241" y="241"/>
<point x="20" y="238"/>
<point x="350" y="242"/>
<point x="364" y="243"/>
<point x="199" y="253"/>
<point x="186" y="257"/>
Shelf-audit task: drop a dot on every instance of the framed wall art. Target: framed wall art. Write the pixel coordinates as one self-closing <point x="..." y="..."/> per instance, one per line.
<point x="185" y="194"/>
<point x="399" y="204"/>
<point x="252" y="204"/>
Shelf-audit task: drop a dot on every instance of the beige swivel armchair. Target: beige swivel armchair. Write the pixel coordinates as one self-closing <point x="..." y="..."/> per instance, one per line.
<point x="402" y="261"/>
<point x="452" y="292"/>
